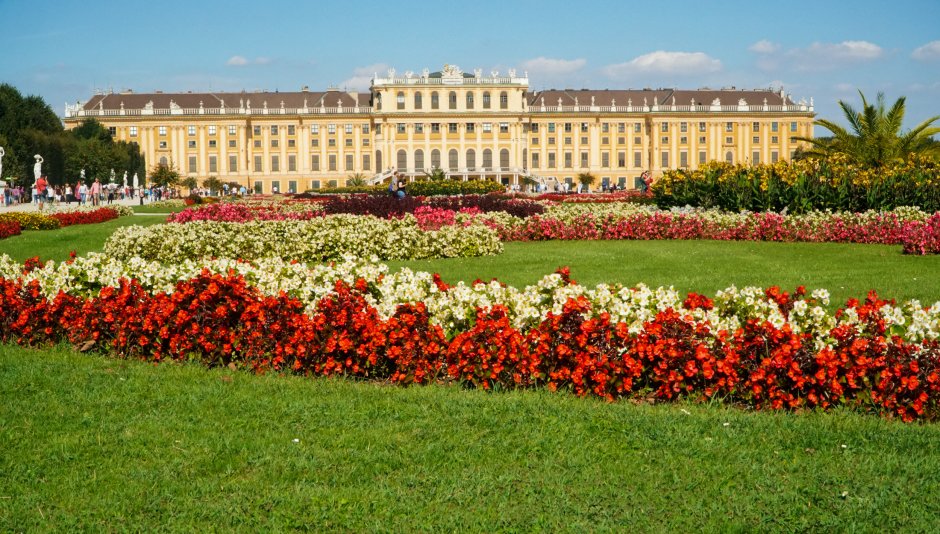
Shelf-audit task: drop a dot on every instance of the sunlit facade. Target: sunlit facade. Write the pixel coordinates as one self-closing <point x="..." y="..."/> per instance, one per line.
<point x="470" y="125"/>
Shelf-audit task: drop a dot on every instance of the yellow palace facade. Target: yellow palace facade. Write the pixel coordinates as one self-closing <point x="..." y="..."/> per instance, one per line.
<point x="470" y="125"/>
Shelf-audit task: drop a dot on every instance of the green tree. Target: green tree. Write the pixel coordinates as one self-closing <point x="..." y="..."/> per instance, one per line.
<point x="90" y="128"/>
<point x="190" y="182"/>
<point x="356" y="180"/>
<point x="586" y="179"/>
<point x="436" y="175"/>
<point x="212" y="183"/>
<point x="164" y="175"/>
<point x="875" y="138"/>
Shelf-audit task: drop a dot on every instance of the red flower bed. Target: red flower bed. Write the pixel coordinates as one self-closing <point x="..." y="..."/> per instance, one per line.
<point x="85" y="217"/>
<point x="924" y="238"/>
<point x="9" y="228"/>
<point x="221" y="321"/>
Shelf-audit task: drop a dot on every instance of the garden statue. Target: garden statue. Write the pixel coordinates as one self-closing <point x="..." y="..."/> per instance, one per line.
<point x="125" y="178"/>
<point x="2" y="153"/>
<point x="112" y="176"/>
<point x="37" y="168"/>
<point x="136" y="181"/>
<point x="82" y="174"/>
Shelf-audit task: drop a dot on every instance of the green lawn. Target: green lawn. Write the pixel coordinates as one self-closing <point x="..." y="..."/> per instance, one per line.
<point x="56" y="244"/>
<point x="96" y="444"/>
<point x="846" y="270"/>
<point x="148" y="208"/>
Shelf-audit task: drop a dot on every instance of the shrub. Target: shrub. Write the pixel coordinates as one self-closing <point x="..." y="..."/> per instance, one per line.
<point x="85" y="217"/>
<point x="30" y="221"/>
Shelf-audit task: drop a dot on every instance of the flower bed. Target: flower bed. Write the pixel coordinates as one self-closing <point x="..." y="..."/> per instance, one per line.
<point x="319" y="239"/>
<point x="9" y="228"/>
<point x="99" y="215"/>
<point x="30" y="221"/>
<point x="764" y="349"/>
<point x="232" y="212"/>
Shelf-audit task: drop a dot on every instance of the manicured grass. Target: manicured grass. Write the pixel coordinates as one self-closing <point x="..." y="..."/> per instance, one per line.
<point x="96" y="444"/>
<point x="846" y="270"/>
<point x="56" y="244"/>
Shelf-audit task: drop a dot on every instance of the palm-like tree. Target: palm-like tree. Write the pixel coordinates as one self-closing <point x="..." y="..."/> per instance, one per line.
<point x="875" y="139"/>
<point x="356" y="180"/>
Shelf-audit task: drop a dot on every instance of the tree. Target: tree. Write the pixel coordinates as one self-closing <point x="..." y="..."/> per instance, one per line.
<point x="356" y="180"/>
<point x="875" y="139"/>
<point x="164" y="175"/>
<point x="90" y="128"/>
<point x="190" y="182"/>
<point x="586" y="179"/>
<point x="436" y="175"/>
<point x="212" y="183"/>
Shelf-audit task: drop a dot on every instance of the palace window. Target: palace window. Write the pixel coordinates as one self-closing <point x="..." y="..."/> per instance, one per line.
<point x="486" y="100"/>
<point x="665" y="139"/>
<point x="637" y="159"/>
<point x="584" y="159"/>
<point x="452" y="162"/>
<point x="637" y="127"/>
<point x="551" y="127"/>
<point x="621" y="159"/>
<point x="274" y="129"/>
<point x="729" y="126"/>
<point x="701" y="126"/>
<point x="191" y="143"/>
<point x="534" y="127"/>
<point x="315" y="162"/>
<point x="637" y="140"/>
<point x="349" y="162"/>
<point x="774" y="156"/>
<point x="191" y="130"/>
<point x="332" y="162"/>
<point x="774" y="139"/>
<point x="418" y="100"/>
<point x="567" y="160"/>
<point x="452" y="127"/>
<point x="331" y="129"/>
<point x="134" y="131"/>
<point x="400" y="128"/>
<point x="331" y="142"/>
<point x="605" y="140"/>
<point x="701" y="157"/>
<point x="568" y="140"/>
<point x="605" y="127"/>
<point x="314" y="142"/>
<point x="665" y="162"/>
<point x="504" y="127"/>
<point x="487" y="127"/>
<point x="535" y="160"/>
<point x="192" y="164"/>
<point x="365" y="129"/>
<point x="774" y="126"/>
<point x="755" y="157"/>
<point x="605" y="159"/>
<point x="470" y="127"/>
<point x="551" y="140"/>
<point x="584" y="127"/>
<point x="233" y="163"/>
<point x="366" y="162"/>
<point x="419" y="128"/>
<point x="503" y="100"/>
<point x="273" y="143"/>
<point x="471" y="159"/>
<point x="231" y="130"/>
<point x="401" y="100"/>
<point x="436" y="158"/>
<point x="256" y="130"/>
<point x="755" y="127"/>
<point x="683" y="140"/>
<point x="452" y="100"/>
<point x="664" y="127"/>
<point x="212" y="130"/>
<point x="212" y="143"/>
<point x="729" y="156"/>
<point x="793" y="127"/>
<point x="683" y="159"/>
<point x="213" y="164"/>
<point x="435" y="100"/>
<point x="551" y="160"/>
<point x="567" y="127"/>
<point x="347" y="128"/>
<point x="419" y="159"/>
<point x="622" y="127"/>
<point x="258" y="167"/>
<point x="487" y="158"/>
<point x="469" y="100"/>
<point x="275" y="164"/>
<point x="162" y="144"/>
<point x="584" y="140"/>
<point x="257" y="143"/>
<point x="683" y="127"/>
<point x="755" y="140"/>
<point x="161" y="130"/>
<point x="435" y="127"/>
<point x="346" y="142"/>
<point x="315" y="129"/>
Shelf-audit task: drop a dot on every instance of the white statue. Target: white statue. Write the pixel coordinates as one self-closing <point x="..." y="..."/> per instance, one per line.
<point x="2" y="153"/>
<point x="136" y="181"/>
<point x="82" y="174"/>
<point x="37" y="168"/>
<point x="112" y="176"/>
<point x="125" y="178"/>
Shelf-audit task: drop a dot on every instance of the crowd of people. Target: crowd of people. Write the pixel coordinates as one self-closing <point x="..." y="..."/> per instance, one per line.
<point x="92" y="194"/>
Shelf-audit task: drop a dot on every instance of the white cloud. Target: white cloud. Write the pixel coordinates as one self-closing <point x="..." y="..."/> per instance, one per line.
<point x="928" y="52"/>
<point x="764" y="47"/>
<point x="818" y="56"/>
<point x="662" y="62"/>
<point x="362" y="76"/>
<point x="242" y="61"/>
<point x="548" y="67"/>
<point x="845" y="51"/>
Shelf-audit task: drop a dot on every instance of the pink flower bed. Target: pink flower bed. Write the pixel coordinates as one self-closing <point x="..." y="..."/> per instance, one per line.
<point x="227" y="212"/>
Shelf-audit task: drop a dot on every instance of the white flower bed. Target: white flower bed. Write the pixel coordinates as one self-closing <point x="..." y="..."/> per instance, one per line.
<point x="320" y="239"/>
<point x="454" y="309"/>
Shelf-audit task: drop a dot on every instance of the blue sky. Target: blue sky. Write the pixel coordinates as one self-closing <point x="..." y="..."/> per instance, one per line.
<point x="65" y="50"/>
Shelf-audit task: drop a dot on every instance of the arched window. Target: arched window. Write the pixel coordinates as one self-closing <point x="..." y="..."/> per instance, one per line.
<point x="402" y="160"/>
<point x="486" y="100"/>
<point x="435" y="101"/>
<point x="378" y="102"/>
<point x="504" y="100"/>
<point x="378" y="160"/>
<point x="729" y="156"/>
<point x="471" y="159"/>
<point x="487" y="159"/>
<point x="401" y="100"/>
<point x="418" y="100"/>
<point x="452" y="159"/>
<point x="163" y="161"/>
<point x="452" y="100"/>
<point x="504" y="158"/>
<point x="419" y="160"/>
<point x="436" y="159"/>
<point x="469" y="99"/>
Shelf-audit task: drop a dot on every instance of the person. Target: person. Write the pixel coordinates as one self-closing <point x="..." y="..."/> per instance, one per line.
<point x="647" y="181"/>
<point x="95" y="193"/>
<point x="41" y="185"/>
<point x="393" y="187"/>
<point x="110" y="195"/>
<point x="68" y="194"/>
<point x="140" y="193"/>
<point x="400" y="192"/>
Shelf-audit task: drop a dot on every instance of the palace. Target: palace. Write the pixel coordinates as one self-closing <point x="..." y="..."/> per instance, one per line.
<point x="471" y="126"/>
